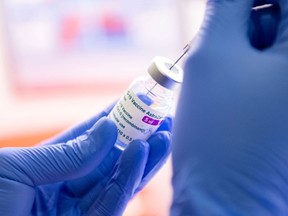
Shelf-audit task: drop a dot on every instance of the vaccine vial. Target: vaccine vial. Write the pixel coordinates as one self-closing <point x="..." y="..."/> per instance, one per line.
<point x="146" y="102"/>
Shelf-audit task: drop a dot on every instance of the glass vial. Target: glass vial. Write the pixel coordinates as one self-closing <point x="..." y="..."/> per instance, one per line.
<point x="146" y="102"/>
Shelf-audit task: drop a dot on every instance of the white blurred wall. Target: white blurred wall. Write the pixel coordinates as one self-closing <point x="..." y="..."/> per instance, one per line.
<point x="22" y="115"/>
<point x="4" y="88"/>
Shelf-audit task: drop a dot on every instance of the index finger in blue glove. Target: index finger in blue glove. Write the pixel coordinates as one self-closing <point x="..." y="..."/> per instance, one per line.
<point x="167" y="124"/>
<point x="160" y="148"/>
<point x="119" y="190"/>
<point x="99" y="176"/>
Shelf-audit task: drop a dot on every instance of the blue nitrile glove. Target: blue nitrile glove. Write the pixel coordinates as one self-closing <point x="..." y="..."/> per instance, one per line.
<point x="230" y="144"/>
<point x="79" y="172"/>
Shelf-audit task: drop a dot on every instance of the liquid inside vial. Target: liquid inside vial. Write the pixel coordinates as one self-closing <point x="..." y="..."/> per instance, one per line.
<point x="145" y="99"/>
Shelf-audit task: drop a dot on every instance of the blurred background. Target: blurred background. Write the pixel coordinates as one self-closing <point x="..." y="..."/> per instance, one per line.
<point x="62" y="61"/>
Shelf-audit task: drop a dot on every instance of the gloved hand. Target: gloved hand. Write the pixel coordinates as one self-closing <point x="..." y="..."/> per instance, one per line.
<point x="79" y="172"/>
<point x="230" y="144"/>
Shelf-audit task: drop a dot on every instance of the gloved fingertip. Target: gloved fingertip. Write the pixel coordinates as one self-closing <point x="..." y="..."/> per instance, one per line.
<point x="134" y="158"/>
<point x="167" y="124"/>
<point x="131" y="166"/>
<point x="160" y="149"/>
<point x="98" y="140"/>
<point x="137" y="149"/>
<point x="127" y="177"/>
<point x="105" y="131"/>
<point x="161" y="141"/>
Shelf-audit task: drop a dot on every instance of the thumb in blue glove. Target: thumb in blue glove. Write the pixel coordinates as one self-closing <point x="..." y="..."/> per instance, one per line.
<point x="22" y="169"/>
<point x="230" y="144"/>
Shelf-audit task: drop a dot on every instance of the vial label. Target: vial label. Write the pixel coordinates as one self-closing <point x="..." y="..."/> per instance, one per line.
<point x="134" y="118"/>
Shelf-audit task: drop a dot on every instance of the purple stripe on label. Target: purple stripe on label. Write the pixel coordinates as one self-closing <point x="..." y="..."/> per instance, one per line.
<point x="151" y="121"/>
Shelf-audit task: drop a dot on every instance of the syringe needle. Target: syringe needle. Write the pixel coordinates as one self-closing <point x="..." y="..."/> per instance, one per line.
<point x="186" y="49"/>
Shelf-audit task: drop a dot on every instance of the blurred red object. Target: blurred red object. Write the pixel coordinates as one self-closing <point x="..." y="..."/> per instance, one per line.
<point x="70" y="28"/>
<point x="113" y="25"/>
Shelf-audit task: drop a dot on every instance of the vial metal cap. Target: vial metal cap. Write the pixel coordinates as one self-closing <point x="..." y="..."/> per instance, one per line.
<point x="160" y="71"/>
